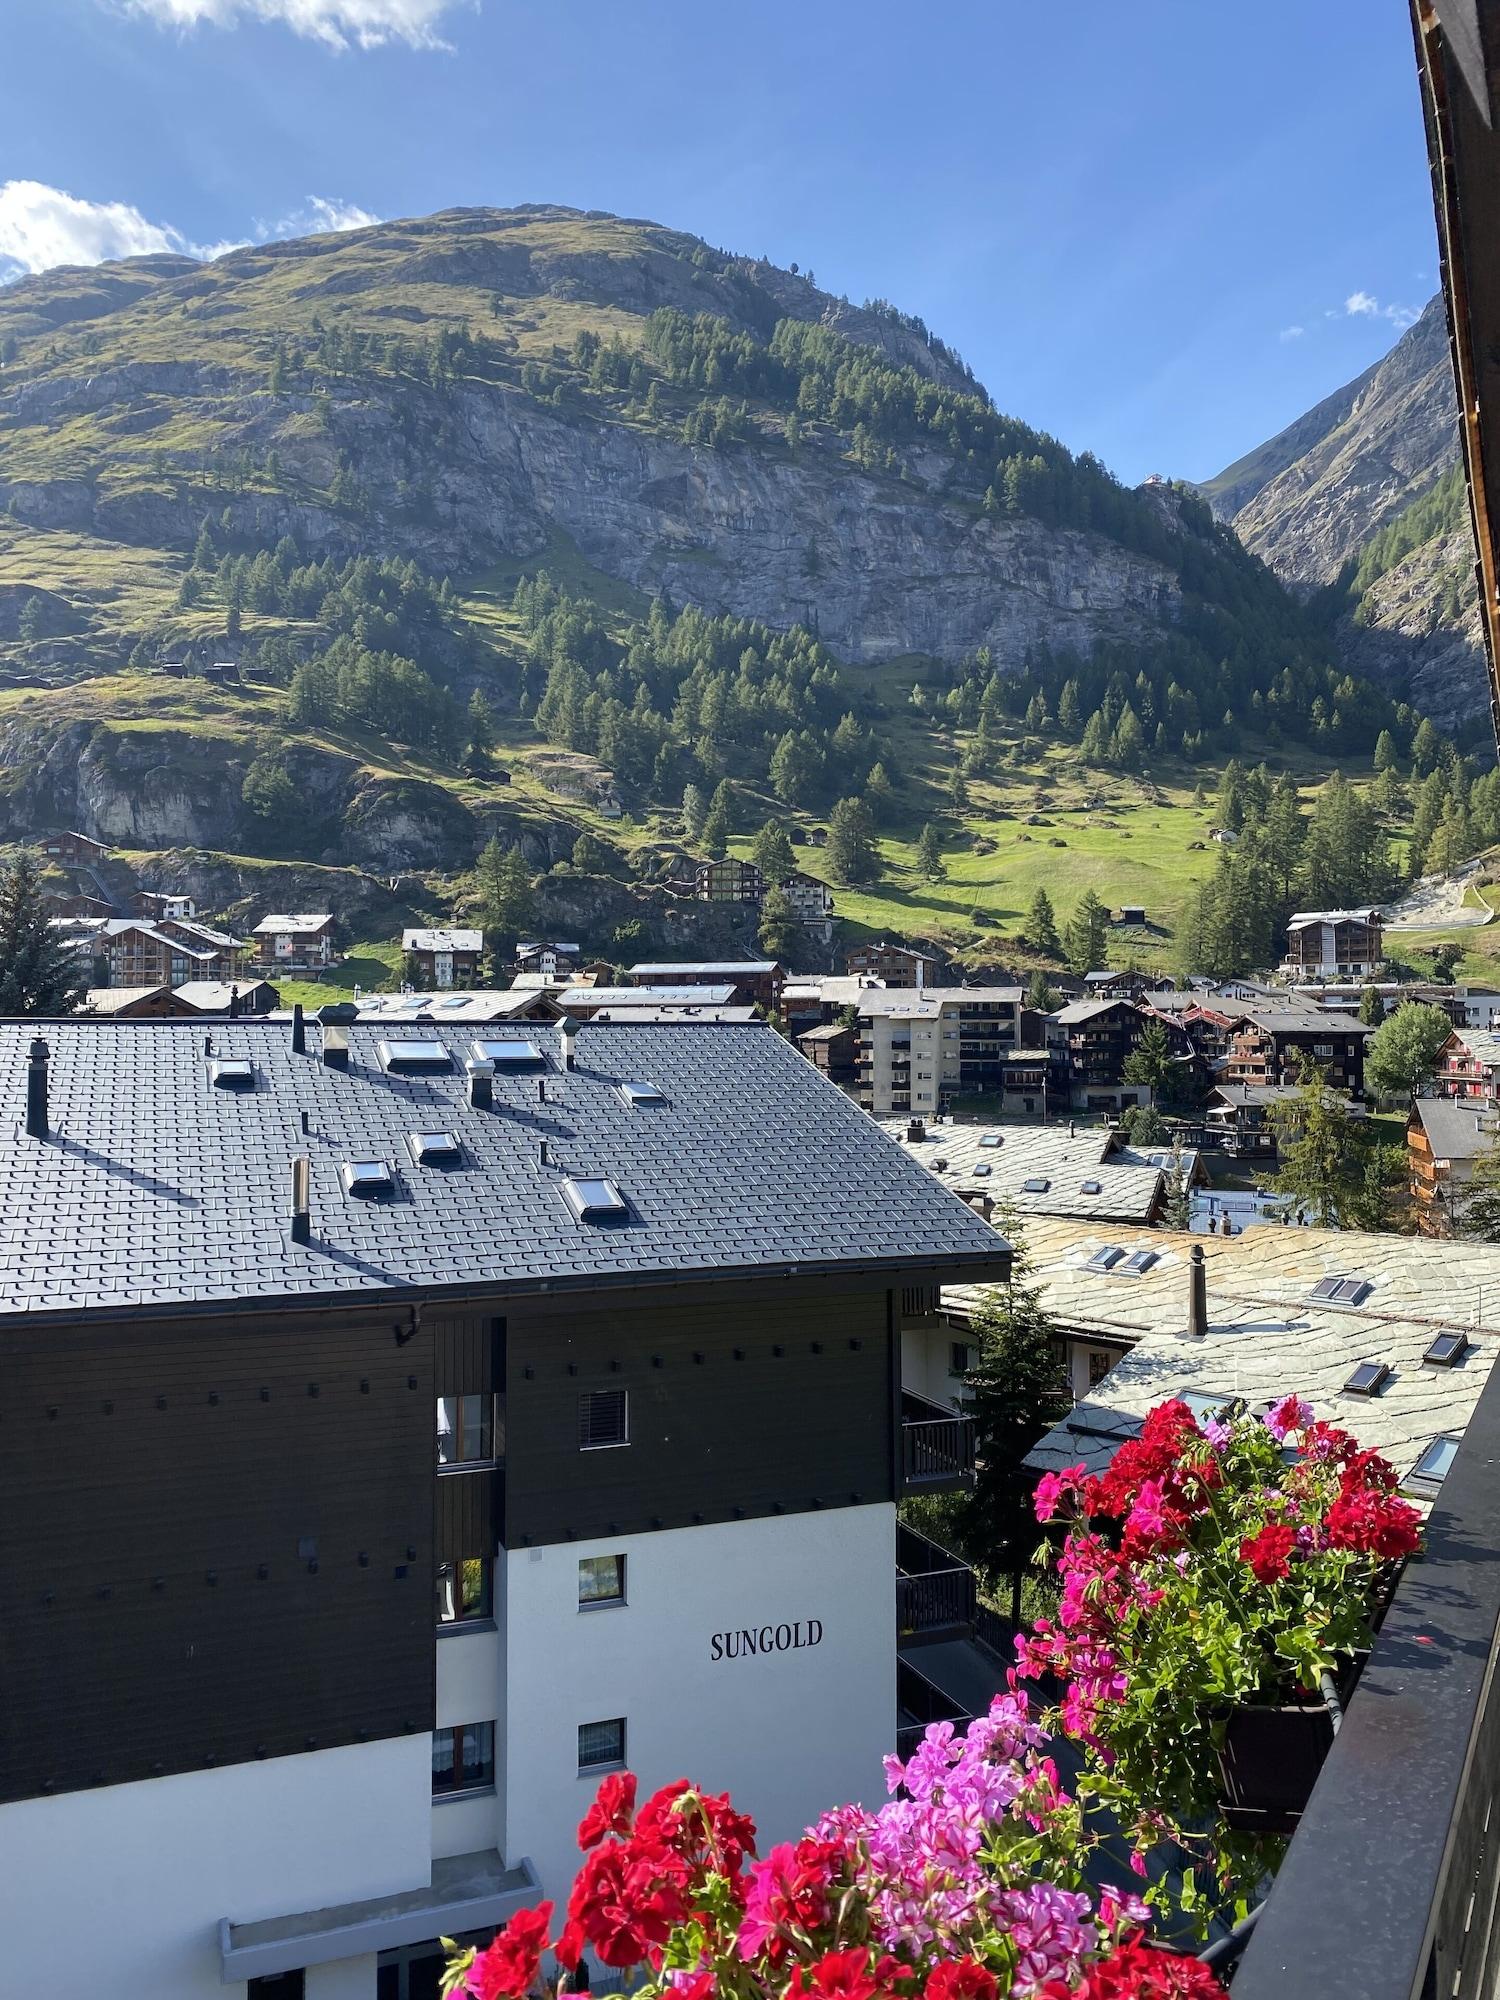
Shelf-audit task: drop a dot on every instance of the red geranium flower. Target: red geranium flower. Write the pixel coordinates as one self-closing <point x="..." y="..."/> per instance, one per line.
<point x="960" y="1979"/>
<point x="1268" y="1551"/>
<point x="1374" y="1524"/>
<point x="611" y="1811"/>
<point x="1138" y="1971"/>
<point x="506" y="1969"/>
<point x="838" y="1975"/>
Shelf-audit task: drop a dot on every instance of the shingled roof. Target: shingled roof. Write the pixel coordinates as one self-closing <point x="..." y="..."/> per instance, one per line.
<point x="159" y="1189"/>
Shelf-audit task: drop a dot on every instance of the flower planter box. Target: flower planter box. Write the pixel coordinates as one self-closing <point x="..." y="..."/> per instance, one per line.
<point x="1269" y="1760"/>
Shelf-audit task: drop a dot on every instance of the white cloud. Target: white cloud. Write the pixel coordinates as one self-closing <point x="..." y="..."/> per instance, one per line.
<point x="338" y="24"/>
<point x="42" y="226"/>
<point x="1292" y="332"/>
<point x="1364" y="305"/>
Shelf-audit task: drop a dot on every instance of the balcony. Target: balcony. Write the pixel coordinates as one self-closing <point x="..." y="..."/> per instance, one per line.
<point x="1389" y="1887"/>
<point x="937" y="1447"/>
<point x="935" y="1592"/>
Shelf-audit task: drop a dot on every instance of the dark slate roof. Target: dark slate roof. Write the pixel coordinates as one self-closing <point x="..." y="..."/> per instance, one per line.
<point x="158" y="1189"/>
<point x="1454" y="1129"/>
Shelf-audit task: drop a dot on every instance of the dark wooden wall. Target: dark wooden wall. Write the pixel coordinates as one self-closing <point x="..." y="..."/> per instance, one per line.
<point x="744" y="1400"/>
<point x="215" y="1542"/>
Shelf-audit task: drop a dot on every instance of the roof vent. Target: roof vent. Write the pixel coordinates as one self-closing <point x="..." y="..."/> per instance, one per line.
<point x="637" y="1094"/>
<point x="335" y="1046"/>
<point x="594" y="1198"/>
<point x="367" y="1177"/>
<point x="232" y="1074"/>
<point x="36" y="1089"/>
<point x="481" y="1077"/>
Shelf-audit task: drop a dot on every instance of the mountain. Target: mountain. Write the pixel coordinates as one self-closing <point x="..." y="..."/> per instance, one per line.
<point x="1362" y="495"/>
<point x="353" y="549"/>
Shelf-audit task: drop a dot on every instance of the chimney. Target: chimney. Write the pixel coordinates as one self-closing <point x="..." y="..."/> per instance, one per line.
<point x="335" y="1046"/>
<point x="234" y="1003"/>
<point x="299" y="1030"/>
<point x="541" y="1153"/>
<point x="1197" y="1322"/>
<point x="36" y="1089"/>
<point x="1072" y="1129"/>
<point x="481" y="1083"/>
<point x="301" y="1198"/>
<point x="567" y="1029"/>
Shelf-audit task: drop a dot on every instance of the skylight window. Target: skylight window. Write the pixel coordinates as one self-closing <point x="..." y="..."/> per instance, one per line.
<point x="1447" y="1350"/>
<point x="433" y="1149"/>
<point x="594" y="1199"/>
<point x="1426" y="1477"/>
<point x="982" y="1171"/>
<point x="1205" y="1404"/>
<point x="1368" y="1379"/>
<point x="1105" y="1259"/>
<point x="508" y="1053"/>
<point x="1139" y="1262"/>
<point x="367" y="1177"/>
<point x="992" y="1139"/>
<point x="1091" y="1187"/>
<point x="1341" y="1291"/>
<point x="1038" y="1184"/>
<point x="636" y="1094"/>
<point x="424" y="1052"/>
<point x="232" y="1074"/>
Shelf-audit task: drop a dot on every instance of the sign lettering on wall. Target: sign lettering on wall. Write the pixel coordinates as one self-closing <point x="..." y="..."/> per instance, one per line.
<point x="750" y="1639"/>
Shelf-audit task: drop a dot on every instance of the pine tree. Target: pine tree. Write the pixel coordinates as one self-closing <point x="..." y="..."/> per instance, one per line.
<point x="481" y="727"/>
<point x="958" y="791"/>
<point x="1151" y="1063"/>
<point x="29" y="627"/>
<point x="1041" y="926"/>
<point x="1177" y="1205"/>
<point x="1329" y="1166"/>
<point x="1039" y="995"/>
<point x="1385" y="751"/>
<point x="852" y="856"/>
<point x="1088" y="934"/>
<point x="1371" y="1008"/>
<point x="930" y="864"/>
<point x="694" y="812"/>
<point x="780" y="933"/>
<point x="1015" y="1393"/>
<point x="772" y="852"/>
<point x="38" y="975"/>
<point x="1426" y="749"/>
<point x="504" y="896"/>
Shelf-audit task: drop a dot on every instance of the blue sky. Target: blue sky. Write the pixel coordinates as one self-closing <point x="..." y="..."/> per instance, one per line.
<point x="1161" y="230"/>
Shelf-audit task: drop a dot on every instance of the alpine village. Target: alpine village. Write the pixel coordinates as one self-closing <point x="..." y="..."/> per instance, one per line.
<point x="750" y="1176"/>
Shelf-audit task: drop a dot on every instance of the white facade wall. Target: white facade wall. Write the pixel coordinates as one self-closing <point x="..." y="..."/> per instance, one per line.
<point x="787" y="1733"/>
<point x="927" y="1363"/>
<point x="137" y="1877"/>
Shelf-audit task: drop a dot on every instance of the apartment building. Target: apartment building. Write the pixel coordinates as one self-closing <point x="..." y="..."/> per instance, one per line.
<point x="404" y="1426"/>
<point x="442" y="959"/>
<point x="295" y="939"/>
<point x="920" y="1048"/>
<point x="1333" y="944"/>
<point x="1276" y="1045"/>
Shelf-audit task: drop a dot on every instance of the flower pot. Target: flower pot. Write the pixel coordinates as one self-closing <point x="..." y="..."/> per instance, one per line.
<point x="1269" y="1760"/>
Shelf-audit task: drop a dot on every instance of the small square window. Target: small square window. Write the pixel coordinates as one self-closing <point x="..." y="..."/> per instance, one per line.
<point x="463" y="1759"/>
<point x="1431" y="1469"/>
<point x="434" y="1149"/>
<point x="367" y="1177"/>
<point x="1091" y="1187"/>
<point x="603" y="1419"/>
<point x="1139" y="1262"/>
<point x="1447" y="1350"/>
<point x="1100" y="1363"/>
<point x="507" y="1052"/>
<point x="992" y="1139"/>
<point x="465" y="1429"/>
<point x="636" y="1094"/>
<point x="1105" y="1259"/>
<point x="1036" y="1185"/>
<point x="958" y="1357"/>
<point x="983" y="1171"/>
<point x="464" y="1590"/>
<point x="594" y="1199"/>
<point x="232" y="1075"/>
<point x="601" y="1580"/>
<point x="414" y="1053"/>
<point x="601" y="1745"/>
<point x="1368" y="1379"/>
<point x="1205" y="1403"/>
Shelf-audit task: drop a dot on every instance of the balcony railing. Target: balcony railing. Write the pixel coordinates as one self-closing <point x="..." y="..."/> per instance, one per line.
<point x="935" y="1592"/>
<point x="937" y="1446"/>
<point x="919" y="1703"/>
<point x="1389" y="1888"/>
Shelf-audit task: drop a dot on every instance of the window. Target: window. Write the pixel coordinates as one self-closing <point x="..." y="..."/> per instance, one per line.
<point x="983" y="1171"/>
<point x="958" y="1357"/>
<point x="433" y="1149"/>
<point x="1341" y="1291"/>
<point x="414" y="1053"/>
<point x="367" y="1177"/>
<point x="1368" y="1379"/>
<point x="1447" y="1350"/>
<point x="1100" y="1363"/>
<point x="1139" y="1262"/>
<point x="601" y="1580"/>
<point x="463" y="1590"/>
<point x="636" y="1094"/>
<point x="601" y="1745"/>
<point x="1105" y="1259"/>
<point x="603" y="1419"/>
<point x="278" y="1986"/>
<point x="992" y="1139"/>
<point x="1036" y="1185"/>
<point x="465" y="1429"/>
<point x="506" y="1052"/>
<point x="1205" y="1403"/>
<point x="594" y="1199"/>
<point x="233" y="1075"/>
<point x="463" y="1759"/>
<point x="1426" y="1477"/>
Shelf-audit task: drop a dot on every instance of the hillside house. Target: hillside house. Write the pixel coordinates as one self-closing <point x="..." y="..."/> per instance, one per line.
<point x="442" y="958"/>
<point x="158" y="907"/>
<point x="1095" y="1037"/>
<point x="1469" y="1065"/>
<point x="551" y="960"/>
<point x="920" y="1048"/>
<point x="728" y="880"/>
<point x="812" y="905"/>
<point x="1333" y="944"/>
<point x="295" y="942"/>
<point x="757" y="982"/>
<point x="834" y="1051"/>
<point x="126" y="951"/>
<point x="1239" y="1115"/>
<point x="1274" y="1045"/>
<point x="1444" y="1138"/>
<point x="130" y="1003"/>
<point x="1127" y="985"/>
<point x="78" y="906"/>
<point x="234" y="998"/>
<point x="892" y="964"/>
<point x="74" y="850"/>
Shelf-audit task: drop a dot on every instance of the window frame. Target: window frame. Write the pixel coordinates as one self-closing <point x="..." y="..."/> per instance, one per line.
<point x="456" y="1430"/>
<point x="620" y="1443"/>
<point x="467" y="1621"/>
<point x="604" y="1603"/>
<point x="455" y="1735"/>
<point x="595" y="1765"/>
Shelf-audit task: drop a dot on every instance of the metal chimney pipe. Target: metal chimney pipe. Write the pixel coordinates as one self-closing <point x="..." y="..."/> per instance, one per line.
<point x="234" y="1003"/>
<point x="299" y="1030"/>
<point x="1197" y="1323"/>
<point x="301" y="1198"/>
<point x="481" y="1083"/>
<point x="36" y="1089"/>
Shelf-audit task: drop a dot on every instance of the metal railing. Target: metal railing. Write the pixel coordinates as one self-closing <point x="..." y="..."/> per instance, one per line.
<point x="937" y="1445"/>
<point x="1389" y="1887"/>
<point x="920" y="1703"/>
<point x="935" y="1592"/>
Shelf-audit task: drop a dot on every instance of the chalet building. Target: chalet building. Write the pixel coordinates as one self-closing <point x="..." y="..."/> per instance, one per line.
<point x="127" y="951"/>
<point x="1444" y="1137"/>
<point x="404" y="1429"/>
<point x="1274" y="1045"/>
<point x="74" y="850"/>
<point x="1333" y="944"/>
<point x="231" y="997"/>
<point x="1094" y="1040"/>
<point x="133" y="1003"/>
<point x="295" y="942"/>
<point x="1239" y="1116"/>
<point x="1127" y="985"/>
<point x="1469" y="1065"/>
<point x="728" y="881"/>
<point x="819" y="999"/>
<point x="757" y="982"/>
<point x="79" y="906"/>
<point x="891" y="964"/>
<point x="553" y="961"/>
<point x="921" y="1048"/>
<point x="157" y="906"/>
<point x="442" y="958"/>
<point x="812" y="905"/>
<point x="834" y="1051"/>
